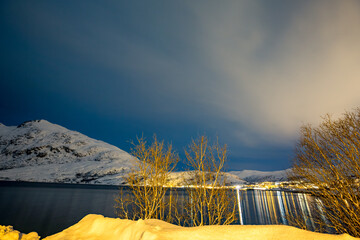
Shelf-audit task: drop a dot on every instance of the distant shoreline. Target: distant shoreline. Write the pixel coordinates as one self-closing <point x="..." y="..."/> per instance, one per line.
<point x="103" y="186"/>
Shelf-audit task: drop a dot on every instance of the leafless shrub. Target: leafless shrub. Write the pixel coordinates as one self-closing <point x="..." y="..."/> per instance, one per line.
<point x="209" y="202"/>
<point x="148" y="183"/>
<point x="327" y="162"/>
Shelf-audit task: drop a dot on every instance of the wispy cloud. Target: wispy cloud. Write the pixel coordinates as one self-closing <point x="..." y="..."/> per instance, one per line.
<point x="309" y="69"/>
<point x="224" y="59"/>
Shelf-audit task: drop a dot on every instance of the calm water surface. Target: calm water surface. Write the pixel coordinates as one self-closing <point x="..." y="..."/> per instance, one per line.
<point x="50" y="208"/>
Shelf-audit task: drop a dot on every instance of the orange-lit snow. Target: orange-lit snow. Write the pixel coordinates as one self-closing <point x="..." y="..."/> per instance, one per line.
<point x="8" y="233"/>
<point x="96" y="227"/>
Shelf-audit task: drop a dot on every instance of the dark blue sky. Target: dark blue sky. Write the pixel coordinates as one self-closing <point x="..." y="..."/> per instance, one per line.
<point x="250" y="72"/>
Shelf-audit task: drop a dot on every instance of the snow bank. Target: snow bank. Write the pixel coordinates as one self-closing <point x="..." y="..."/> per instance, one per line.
<point x="98" y="227"/>
<point x="8" y="233"/>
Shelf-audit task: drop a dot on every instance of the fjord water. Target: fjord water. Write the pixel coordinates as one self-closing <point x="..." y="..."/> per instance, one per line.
<point x="50" y="208"/>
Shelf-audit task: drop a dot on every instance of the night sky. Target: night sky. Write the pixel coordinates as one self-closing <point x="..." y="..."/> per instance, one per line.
<point x="250" y="72"/>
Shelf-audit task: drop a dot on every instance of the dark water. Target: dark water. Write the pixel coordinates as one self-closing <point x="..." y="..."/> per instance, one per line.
<point x="50" y="208"/>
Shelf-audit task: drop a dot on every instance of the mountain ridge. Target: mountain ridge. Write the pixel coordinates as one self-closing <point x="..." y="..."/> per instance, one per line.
<point x="42" y="151"/>
<point x="255" y="176"/>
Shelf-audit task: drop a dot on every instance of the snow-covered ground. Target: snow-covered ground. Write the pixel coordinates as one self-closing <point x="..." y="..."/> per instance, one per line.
<point x="184" y="178"/>
<point x="40" y="151"/>
<point x="8" y="233"/>
<point x="254" y="176"/>
<point x="97" y="227"/>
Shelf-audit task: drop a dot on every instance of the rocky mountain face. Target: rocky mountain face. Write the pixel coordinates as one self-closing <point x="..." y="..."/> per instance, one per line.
<point x="44" y="152"/>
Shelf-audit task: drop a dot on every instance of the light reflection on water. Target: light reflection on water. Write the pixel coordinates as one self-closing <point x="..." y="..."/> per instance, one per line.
<point x="274" y="207"/>
<point x="282" y="207"/>
<point x="48" y="209"/>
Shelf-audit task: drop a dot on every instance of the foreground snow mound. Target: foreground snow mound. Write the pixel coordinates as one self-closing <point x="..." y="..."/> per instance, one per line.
<point x="8" y="233"/>
<point x="40" y="151"/>
<point x="97" y="227"/>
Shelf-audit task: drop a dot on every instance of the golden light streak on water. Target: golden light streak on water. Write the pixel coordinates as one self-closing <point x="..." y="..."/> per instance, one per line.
<point x="309" y="210"/>
<point x="281" y="206"/>
<point x="275" y="215"/>
<point x="276" y="207"/>
<point x="239" y="206"/>
<point x="285" y="202"/>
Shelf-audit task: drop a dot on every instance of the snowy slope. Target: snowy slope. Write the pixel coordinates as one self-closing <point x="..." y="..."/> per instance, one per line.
<point x="254" y="176"/>
<point x="185" y="178"/>
<point x="45" y="152"/>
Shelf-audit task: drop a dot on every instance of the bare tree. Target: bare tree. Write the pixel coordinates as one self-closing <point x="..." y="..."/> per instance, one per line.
<point x="328" y="161"/>
<point x="148" y="183"/>
<point x="209" y="200"/>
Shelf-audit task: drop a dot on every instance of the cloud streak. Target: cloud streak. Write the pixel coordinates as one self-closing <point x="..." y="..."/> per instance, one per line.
<point x="310" y="69"/>
<point x="225" y="60"/>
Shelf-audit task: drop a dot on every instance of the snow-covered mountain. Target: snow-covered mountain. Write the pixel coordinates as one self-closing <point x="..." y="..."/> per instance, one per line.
<point x="186" y="177"/>
<point x="40" y="151"/>
<point x="254" y="176"/>
<point x="44" y="152"/>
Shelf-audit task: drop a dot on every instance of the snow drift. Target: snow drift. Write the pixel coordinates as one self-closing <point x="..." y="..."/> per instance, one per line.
<point x="8" y="233"/>
<point x="97" y="227"/>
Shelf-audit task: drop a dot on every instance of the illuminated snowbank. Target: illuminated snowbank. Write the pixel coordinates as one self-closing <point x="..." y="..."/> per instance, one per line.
<point x="96" y="227"/>
<point x="8" y="233"/>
